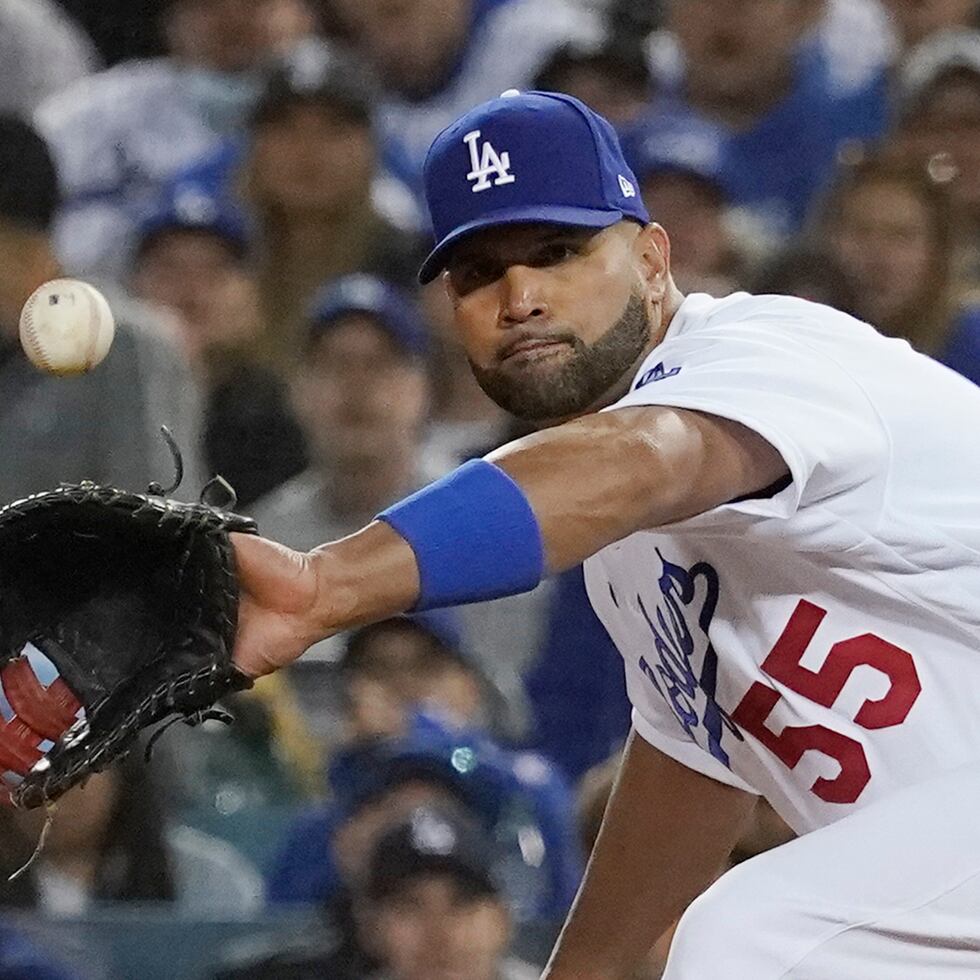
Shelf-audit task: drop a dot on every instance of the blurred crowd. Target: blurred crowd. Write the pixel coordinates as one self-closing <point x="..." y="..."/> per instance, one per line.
<point x="242" y="179"/>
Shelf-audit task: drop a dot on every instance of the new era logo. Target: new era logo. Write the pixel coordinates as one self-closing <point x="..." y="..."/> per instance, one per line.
<point x="485" y="161"/>
<point x="626" y="187"/>
<point x="656" y="373"/>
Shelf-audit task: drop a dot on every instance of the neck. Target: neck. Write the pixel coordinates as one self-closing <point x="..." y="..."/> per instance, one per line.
<point x="667" y="307"/>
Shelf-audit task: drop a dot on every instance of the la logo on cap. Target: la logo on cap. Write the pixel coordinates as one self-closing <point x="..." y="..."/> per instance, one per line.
<point x="485" y="161"/>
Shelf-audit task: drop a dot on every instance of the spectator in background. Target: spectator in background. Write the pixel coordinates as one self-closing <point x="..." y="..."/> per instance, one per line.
<point x="748" y="70"/>
<point x="391" y="668"/>
<point x="121" y="134"/>
<point x="438" y="58"/>
<point x="104" y="425"/>
<point x="325" y="856"/>
<point x="610" y="77"/>
<point x="124" y="29"/>
<point x="518" y="796"/>
<point x="679" y="165"/>
<point x="435" y="906"/>
<point x="939" y="130"/>
<point x="362" y="395"/>
<point x="311" y="176"/>
<point x="109" y="841"/>
<point x="307" y="173"/>
<point x="916" y="20"/>
<point x="810" y="273"/>
<point x="192" y="257"/>
<point x="42" y="51"/>
<point x="891" y="228"/>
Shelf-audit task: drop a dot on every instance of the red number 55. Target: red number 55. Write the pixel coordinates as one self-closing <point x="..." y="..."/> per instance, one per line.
<point x="823" y="686"/>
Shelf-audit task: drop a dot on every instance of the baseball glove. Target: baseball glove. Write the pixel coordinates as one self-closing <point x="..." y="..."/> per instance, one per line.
<point x="117" y="610"/>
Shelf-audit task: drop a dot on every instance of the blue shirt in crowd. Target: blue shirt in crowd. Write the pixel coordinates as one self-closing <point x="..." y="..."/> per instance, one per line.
<point x="775" y="169"/>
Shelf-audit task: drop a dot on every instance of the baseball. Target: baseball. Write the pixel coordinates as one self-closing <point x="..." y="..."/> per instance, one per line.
<point x="66" y="327"/>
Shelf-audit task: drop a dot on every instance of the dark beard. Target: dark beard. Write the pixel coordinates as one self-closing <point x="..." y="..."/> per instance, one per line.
<point x="580" y="380"/>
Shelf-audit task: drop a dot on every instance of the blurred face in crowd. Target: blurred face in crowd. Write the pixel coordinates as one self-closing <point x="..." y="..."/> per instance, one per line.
<point x="198" y="276"/>
<point x="438" y="927"/>
<point x="694" y="211"/>
<point x="739" y="53"/>
<point x="399" y="668"/>
<point x="312" y="159"/>
<point x="355" y="840"/>
<point x="555" y="320"/>
<point x="885" y="236"/>
<point x="944" y="135"/>
<point x="224" y="35"/>
<point x="362" y="399"/>
<point x="412" y="44"/>
<point x="917" y="19"/>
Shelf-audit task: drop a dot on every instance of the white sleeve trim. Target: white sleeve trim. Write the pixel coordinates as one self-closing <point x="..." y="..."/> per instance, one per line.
<point x="688" y="754"/>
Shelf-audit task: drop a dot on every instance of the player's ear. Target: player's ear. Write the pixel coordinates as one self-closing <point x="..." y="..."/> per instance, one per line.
<point x="447" y="285"/>
<point x="651" y="253"/>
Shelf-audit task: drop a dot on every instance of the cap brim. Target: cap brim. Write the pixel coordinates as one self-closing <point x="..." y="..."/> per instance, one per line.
<point x="552" y="215"/>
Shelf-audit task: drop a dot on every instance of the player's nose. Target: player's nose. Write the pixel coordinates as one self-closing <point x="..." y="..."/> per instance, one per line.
<point x="523" y="296"/>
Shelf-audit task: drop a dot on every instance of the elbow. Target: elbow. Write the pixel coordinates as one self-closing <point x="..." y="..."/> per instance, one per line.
<point x="670" y="455"/>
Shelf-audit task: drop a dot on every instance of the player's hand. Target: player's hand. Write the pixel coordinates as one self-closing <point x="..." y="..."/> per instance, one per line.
<point x="279" y="604"/>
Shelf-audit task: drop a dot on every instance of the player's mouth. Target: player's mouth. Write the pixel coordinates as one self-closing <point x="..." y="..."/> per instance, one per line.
<point x="531" y="349"/>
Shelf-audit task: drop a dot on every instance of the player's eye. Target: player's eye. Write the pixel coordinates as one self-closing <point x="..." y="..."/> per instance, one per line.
<point x="471" y="274"/>
<point x="553" y="253"/>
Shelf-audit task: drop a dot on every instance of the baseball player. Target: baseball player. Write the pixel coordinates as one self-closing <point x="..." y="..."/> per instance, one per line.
<point x="779" y="513"/>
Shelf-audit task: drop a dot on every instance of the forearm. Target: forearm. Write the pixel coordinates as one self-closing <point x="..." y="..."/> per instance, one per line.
<point x="599" y="479"/>
<point x="365" y="577"/>
<point x="666" y="835"/>
<point x="588" y="483"/>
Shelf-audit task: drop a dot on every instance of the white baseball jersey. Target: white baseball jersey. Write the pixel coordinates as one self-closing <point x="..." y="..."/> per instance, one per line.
<point x="820" y="647"/>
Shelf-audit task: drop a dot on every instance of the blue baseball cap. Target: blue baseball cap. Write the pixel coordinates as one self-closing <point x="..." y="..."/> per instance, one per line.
<point x="525" y="157"/>
<point x="671" y="143"/>
<point x="394" y="310"/>
<point x="194" y="206"/>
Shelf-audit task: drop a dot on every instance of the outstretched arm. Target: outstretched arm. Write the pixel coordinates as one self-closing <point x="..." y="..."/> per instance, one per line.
<point x="589" y="483"/>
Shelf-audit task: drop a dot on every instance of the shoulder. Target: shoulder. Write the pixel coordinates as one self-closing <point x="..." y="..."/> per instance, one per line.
<point x="745" y="342"/>
<point x="787" y="315"/>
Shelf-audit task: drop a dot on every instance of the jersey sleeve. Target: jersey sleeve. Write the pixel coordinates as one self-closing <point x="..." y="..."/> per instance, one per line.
<point x="797" y="395"/>
<point x="652" y="719"/>
<point x="685" y="751"/>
